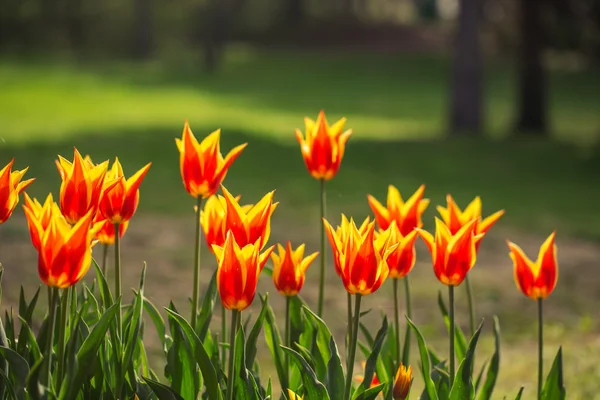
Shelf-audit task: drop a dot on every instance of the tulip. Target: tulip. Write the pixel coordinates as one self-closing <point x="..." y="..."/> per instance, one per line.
<point x="289" y="268"/>
<point x="43" y="214"/>
<point x="402" y="382"/>
<point x="406" y="214"/>
<point x="537" y="279"/>
<point x="294" y="396"/>
<point x="360" y="378"/>
<point x="106" y="230"/>
<point x="10" y="188"/>
<point x="81" y="187"/>
<point x="202" y="165"/>
<point x="213" y="219"/>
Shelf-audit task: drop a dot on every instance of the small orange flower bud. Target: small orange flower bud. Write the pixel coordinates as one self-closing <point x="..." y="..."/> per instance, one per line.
<point x="10" y="188"/>
<point x="407" y="215"/>
<point x="453" y="255"/>
<point x="120" y="199"/>
<point x="455" y="219"/>
<point x="105" y="230"/>
<point x="402" y="382"/>
<point x="43" y="214"/>
<point x="536" y="279"/>
<point x="202" y="166"/>
<point x="65" y="252"/>
<point x="323" y="147"/>
<point x="402" y="259"/>
<point x="361" y="378"/>
<point x="359" y="257"/>
<point x="238" y="271"/>
<point x="289" y="268"/>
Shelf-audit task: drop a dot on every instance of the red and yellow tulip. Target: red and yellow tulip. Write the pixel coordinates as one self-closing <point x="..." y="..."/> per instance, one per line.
<point x="402" y="382"/>
<point x="455" y="219"/>
<point x="10" y="188"/>
<point x="105" y="230"/>
<point x="81" y="187"/>
<point x="323" y="146"/>
<point x="402" y="259"/>
<point x="202" y="165"/>
<point x="359" y="257"/>
<point x="65" y="251"/>
<point x="289" y="268"/>
<point x="238" y="271"/>
<point x="453" y="255"/>
<point x="360" y="378"/>
<point x="406" y="214"/>
<point x="120" y="198"/>
<point x="42" y="214"/>
<point x="536" y="279"/>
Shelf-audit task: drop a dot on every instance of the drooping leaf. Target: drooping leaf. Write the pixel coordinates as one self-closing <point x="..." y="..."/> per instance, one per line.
<point x="554" y="388"/>
<point x="161" y="391"/>
<point x="492" y="372"/>
<point x="425" y="362"/>
<point x="463" y="388"/>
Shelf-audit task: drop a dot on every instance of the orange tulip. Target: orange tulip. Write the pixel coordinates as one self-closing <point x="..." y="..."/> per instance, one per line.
<point x="324" y="145"/>
<point x="43" y="215"/>
<point x="361" y="378"/>
<point x="536" y="279"/>
<point x="213" y="219"/>
<point x="81" y="187"/>
<point x="10" y="188"/>
<point x="407" y="215"/>
<point x="65" y="252"/>
<point x="119" y="200"/>
<point x="455" y="219"/>
<point x="402" y="259"/>
<point x="359" y="257"/>
<point x="343" y="233"/>
<point x="453" y="255"/>
<point x="202" y="166"/>
<point x="402" y="382"/>
<point x="106" y="230"/>
<point x="289" y="269"/>
<point x="238" y="271"/>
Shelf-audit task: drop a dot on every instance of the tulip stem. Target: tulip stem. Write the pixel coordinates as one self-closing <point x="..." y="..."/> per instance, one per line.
<point x="349" y="327"/>
<point x="323" y="255"/>
<point x="118" y="279"/>
<point x="540" y="346"/>
<point x="471" y="305"/>
<point x="50" y="337"/>
<point x="64" y="310"/>
<point x="353" y="340"/>
<point x="406" y="349"/>
<point x="230" y="377"/>
<point x="224" y="331"/>
<point x="288" y="336"/>
<point x="451" y="335"/>
<point x="104" y="258"/>
<point x="397" y="321"/>
<point x="197" y="266"/>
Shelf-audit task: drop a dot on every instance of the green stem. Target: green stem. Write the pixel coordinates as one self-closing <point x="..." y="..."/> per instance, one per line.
<point x="288" y="336"/>
<point x="353" y="340"/>
<point x="540" y="346"/>
<point x="407" y="333"/>
<point x="397" y="321"/>
<point x="349" y="327"/>
<point x="64" y="311"/>
<point x="230" y="377"/>
<point x="323" y="255"/>
<point x="451" y="343"/>
<point x="224" y="331"/>
<point x="104" y="258"/>
<point x="471" y="305"/>
<point x="50" y="338"/>
<point x="118" y="289"/>
<point x="197" y="265"/>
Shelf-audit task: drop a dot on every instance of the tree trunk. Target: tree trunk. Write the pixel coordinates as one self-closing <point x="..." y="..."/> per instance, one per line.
<point x="466" y="86"/>
<point x="143" y="35"/>
<point x="531" y="117"/>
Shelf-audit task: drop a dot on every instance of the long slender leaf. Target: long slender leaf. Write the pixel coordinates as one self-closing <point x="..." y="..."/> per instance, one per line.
<point x="35" y="390"/>
<point x="370" y="393"/>
<point x="371" y="363"/>
<point x="135" y="324"/>
<point x="335" y="374"/>
<point x="7" y="385"/>
<point x="554" y="388"/>
<point x="251" y="342"/>
<point x="492" y="372"/>
<point x="18" y="367"/>
<point x="207" y="307"/>
<point x="425" y="362"/>
<point x="273" y="340"/>
<point x="161" y="391"/>
<point x="313" y="387"/>
<point x="463" y="388"/>
<point x="159" y="322"/>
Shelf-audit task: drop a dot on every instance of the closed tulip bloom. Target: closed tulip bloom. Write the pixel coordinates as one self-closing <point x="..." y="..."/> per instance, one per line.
<point x="453" y="255"/>
<point x="42" y="214"/>
<point x="105" y="230"/>
<point x="65" y="252"/>
<point x="360" y="258"/>
<point x="10" y="188"/>
<point x="294" y="396"/>
<point x="202" y="165"/>
<point x="536" y="279"/>
<point x="120" y="200"/>
<point x="455" y="219"/>
<point x="402" y="382"/>
<point x="406" y="214"/>
<point x="402" y="259"/>
<point x="289" y="268"/>
<point x="323" y="146"/>
<point x="81" y="187"/>
<point x="213" y="219"/>
<point x="238" y="270"/>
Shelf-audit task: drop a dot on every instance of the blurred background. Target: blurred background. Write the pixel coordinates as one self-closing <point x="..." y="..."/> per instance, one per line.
<point x="497" y="98"/>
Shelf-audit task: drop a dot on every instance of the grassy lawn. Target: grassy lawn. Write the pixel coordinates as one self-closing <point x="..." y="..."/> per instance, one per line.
<point x="396" y="105"/>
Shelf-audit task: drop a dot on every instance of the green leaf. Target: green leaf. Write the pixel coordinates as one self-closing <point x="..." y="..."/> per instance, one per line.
<point x="425" y="362"/>
<point x="7" y="384"/>
<point x="133" y="329"/>
<point x="35" y="390"/>
<point x="207" y="307"/>
<point x="18" y="369"/>
<point x="492" y="372"/>
<point x="335" y="374"/>
<point x="158" y="321"/>
<point x="520" y="394"/>
<point x="462" y="388"/>
<point x="313" y="387"/>
<point x="371" y="393"/>
<point x="367" y="334"/>
<point x="30" y="341"/>
<point x="273" y="340"/>
<point x="161" y="391"/>
<point x="554" y="388"/>
<point x="105" y="294"/>
<point x="371" y="363"/>
<point x="460" y="342"/>
<point x="251" y="342"/>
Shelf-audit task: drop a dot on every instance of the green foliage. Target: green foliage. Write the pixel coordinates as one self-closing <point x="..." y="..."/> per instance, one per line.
<point x="554" y="386"/>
